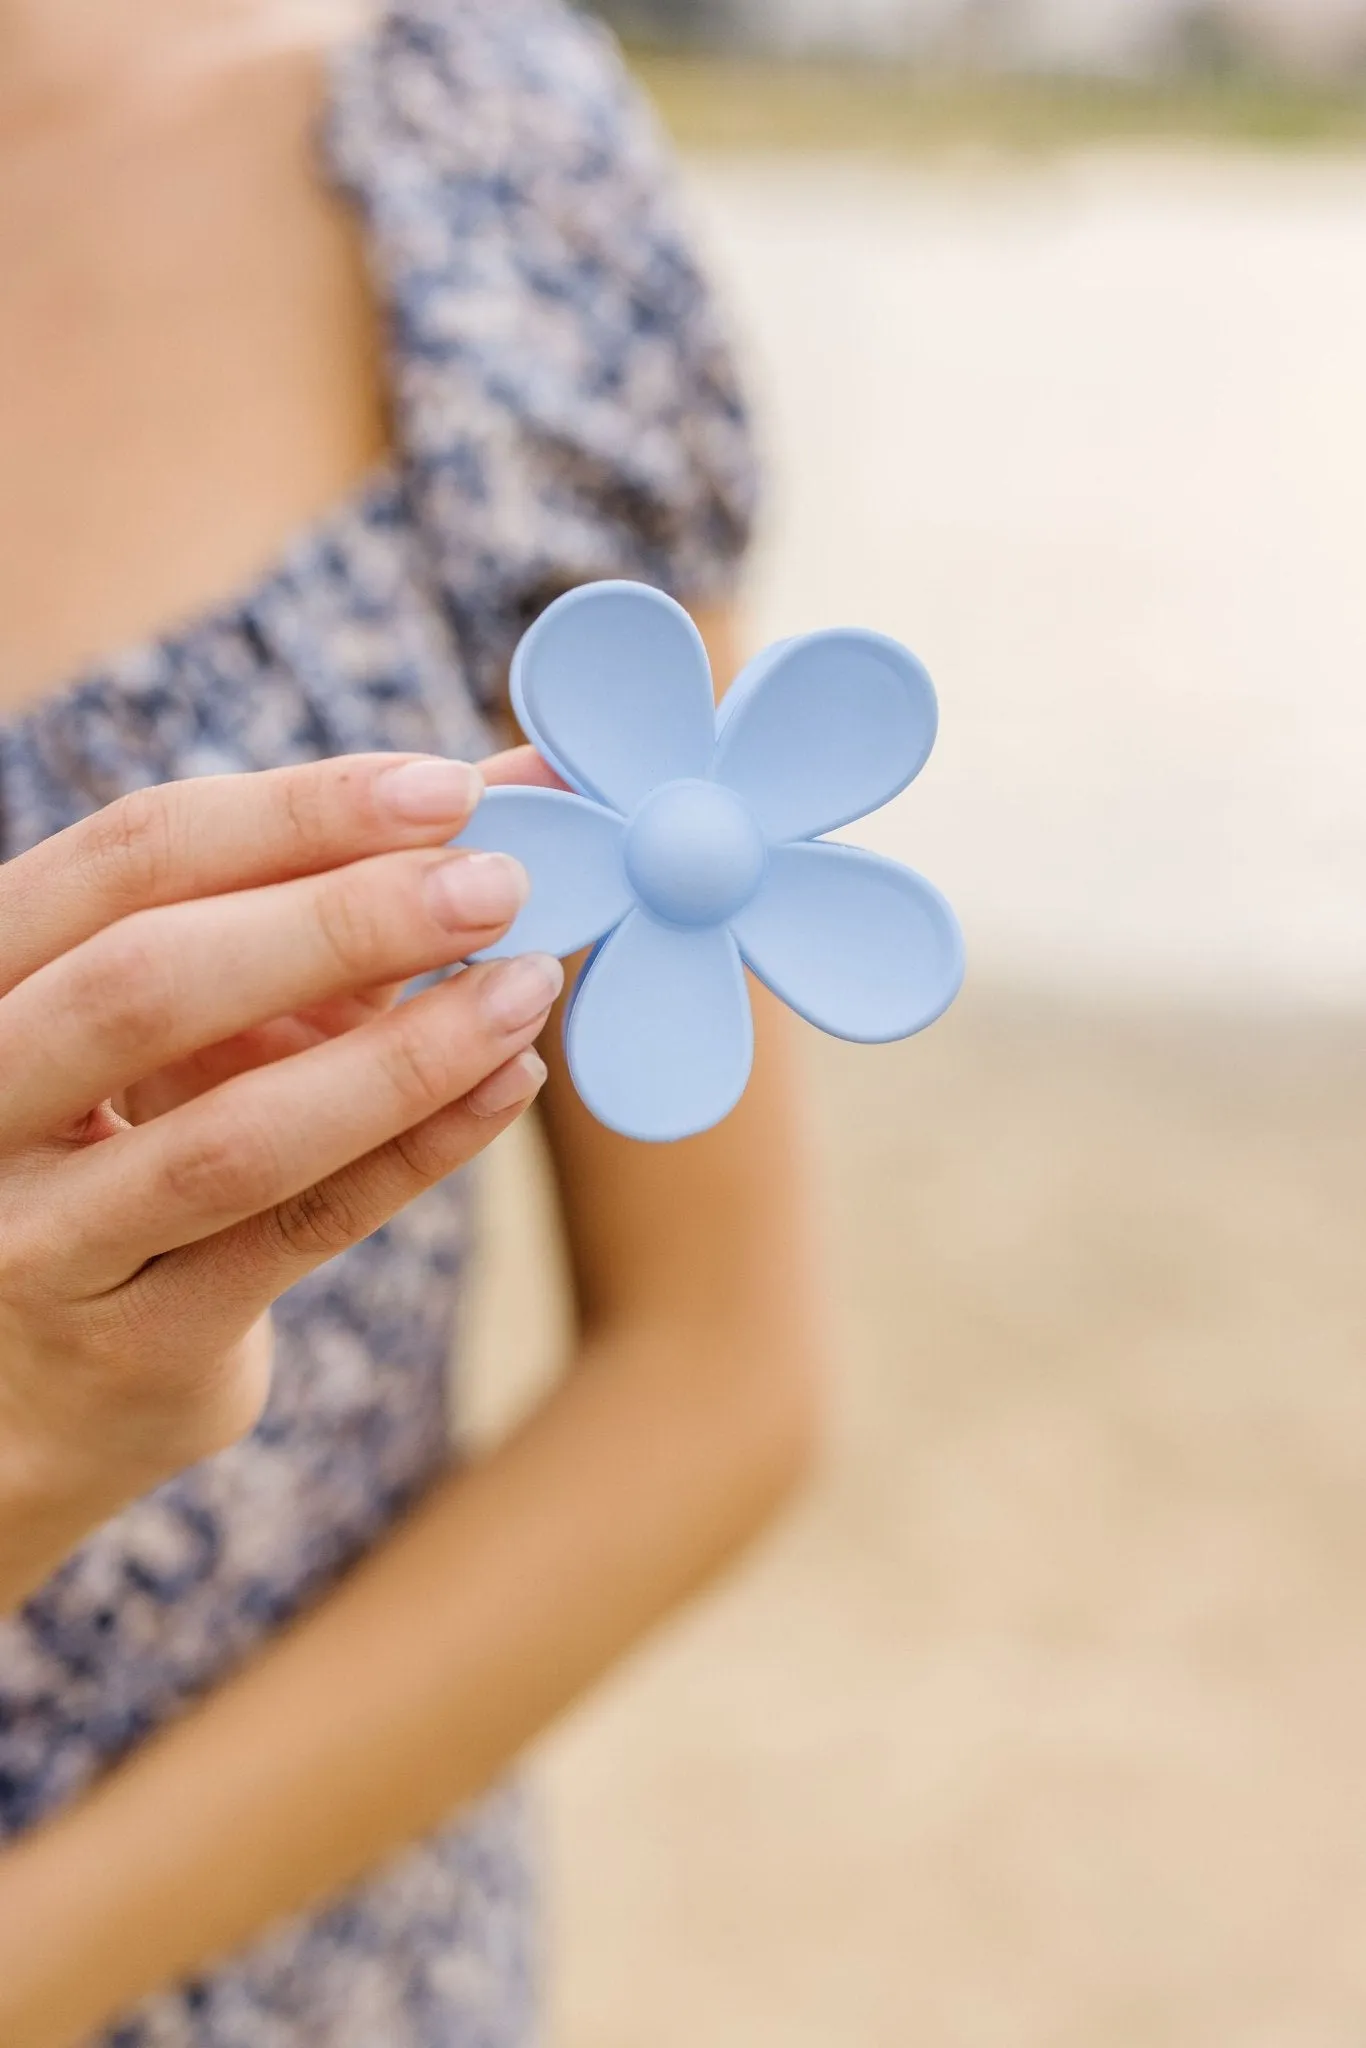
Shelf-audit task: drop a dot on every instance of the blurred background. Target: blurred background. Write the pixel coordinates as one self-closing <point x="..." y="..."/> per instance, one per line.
<point x="1040" y="1725"/>
<point x="1103" y="35"/>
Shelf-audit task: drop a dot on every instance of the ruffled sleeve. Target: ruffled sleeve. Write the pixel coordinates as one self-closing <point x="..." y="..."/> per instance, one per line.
<point x="566" y="402"/>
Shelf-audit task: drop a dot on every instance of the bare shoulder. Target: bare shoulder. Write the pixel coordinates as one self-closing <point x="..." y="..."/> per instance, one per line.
<point x="188" y="368"/>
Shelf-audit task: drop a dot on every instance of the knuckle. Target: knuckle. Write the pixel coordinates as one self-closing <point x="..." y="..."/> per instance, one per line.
<point x="432" y="1149"/>
<point x="303" y="802"/>
<point x="352" y="925"/>
<point x="318" y="1223"/>
<point x="419" y="1068"/>
<point x="130" y="845"/>
<point x="221" y="1169"/>
<point x="125" y="985"/>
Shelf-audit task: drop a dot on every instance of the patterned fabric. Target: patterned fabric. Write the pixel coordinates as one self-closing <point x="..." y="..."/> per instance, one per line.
<point x="565" y="408"/>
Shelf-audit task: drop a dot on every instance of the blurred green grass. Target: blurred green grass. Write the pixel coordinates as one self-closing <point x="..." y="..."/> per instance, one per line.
<point x="738" y="103"/>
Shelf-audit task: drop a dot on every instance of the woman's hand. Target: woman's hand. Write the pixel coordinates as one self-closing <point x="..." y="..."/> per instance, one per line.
<point x="207" y="1091"/>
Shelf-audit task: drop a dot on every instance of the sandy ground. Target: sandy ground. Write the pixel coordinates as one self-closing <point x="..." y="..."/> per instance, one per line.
<point x="1040" y="1725"/>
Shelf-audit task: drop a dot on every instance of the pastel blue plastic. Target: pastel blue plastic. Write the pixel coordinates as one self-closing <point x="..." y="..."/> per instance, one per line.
<point x="615" y="685"/>
<point x="688" y="844"/>
<point x="572" y="848"/>
<point x="819" y="731"/>
<point x="860" y="946"/>
<point x="658" y="1001"/>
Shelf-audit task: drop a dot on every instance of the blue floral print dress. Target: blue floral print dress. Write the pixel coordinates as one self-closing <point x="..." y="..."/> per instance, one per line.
<point x="564" y="408"/>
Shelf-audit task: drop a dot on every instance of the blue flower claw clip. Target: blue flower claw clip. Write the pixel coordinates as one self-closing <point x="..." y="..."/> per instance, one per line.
<point x="689" y="843"/>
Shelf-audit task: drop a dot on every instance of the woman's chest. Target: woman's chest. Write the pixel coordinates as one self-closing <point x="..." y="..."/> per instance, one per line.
<point x="188" y="363"/>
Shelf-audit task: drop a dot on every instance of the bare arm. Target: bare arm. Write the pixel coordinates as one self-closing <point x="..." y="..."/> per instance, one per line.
<point x="687" y="1417"/>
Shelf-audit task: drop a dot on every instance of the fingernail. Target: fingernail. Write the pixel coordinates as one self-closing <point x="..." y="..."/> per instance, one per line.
<point x="473" y="890"/>
<point x="517" y="1082"/>
<point x="430" y="792"/>
<point x="519" y="991"/>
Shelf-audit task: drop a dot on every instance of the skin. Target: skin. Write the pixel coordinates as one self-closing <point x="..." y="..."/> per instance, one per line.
<point x="215" y="1092"/>
<point x="188" y="374"/>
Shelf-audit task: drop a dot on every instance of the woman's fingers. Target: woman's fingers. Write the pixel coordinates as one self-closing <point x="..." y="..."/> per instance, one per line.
<point x="261" y="1141"/>
<point x="520" y="764"/>
<point x="183" y="840"/>
<point x="159" y="985"/>
<point x="256" y="1047"/>
<point x="244" y="1269"/>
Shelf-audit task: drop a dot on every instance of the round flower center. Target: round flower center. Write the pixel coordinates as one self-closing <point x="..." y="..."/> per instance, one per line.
<point x="694" y="855"/>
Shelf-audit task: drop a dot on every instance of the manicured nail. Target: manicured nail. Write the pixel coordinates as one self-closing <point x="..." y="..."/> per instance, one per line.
<point x="519" y="991"/>
<point x="472" y="890"/>
<point x="519" y="1081"/>
<point x="430" y="792"/>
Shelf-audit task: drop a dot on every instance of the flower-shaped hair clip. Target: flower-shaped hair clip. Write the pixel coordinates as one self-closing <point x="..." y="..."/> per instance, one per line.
<point x="688" y="843"/>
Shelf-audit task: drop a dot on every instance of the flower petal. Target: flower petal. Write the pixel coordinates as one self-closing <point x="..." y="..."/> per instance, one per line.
<point x="571" y="849"/>
<point x="859" y="946"/>
<point x="613" y="685"/>
<point x="825" y="728"/>
<point x="659" y="1034"/>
